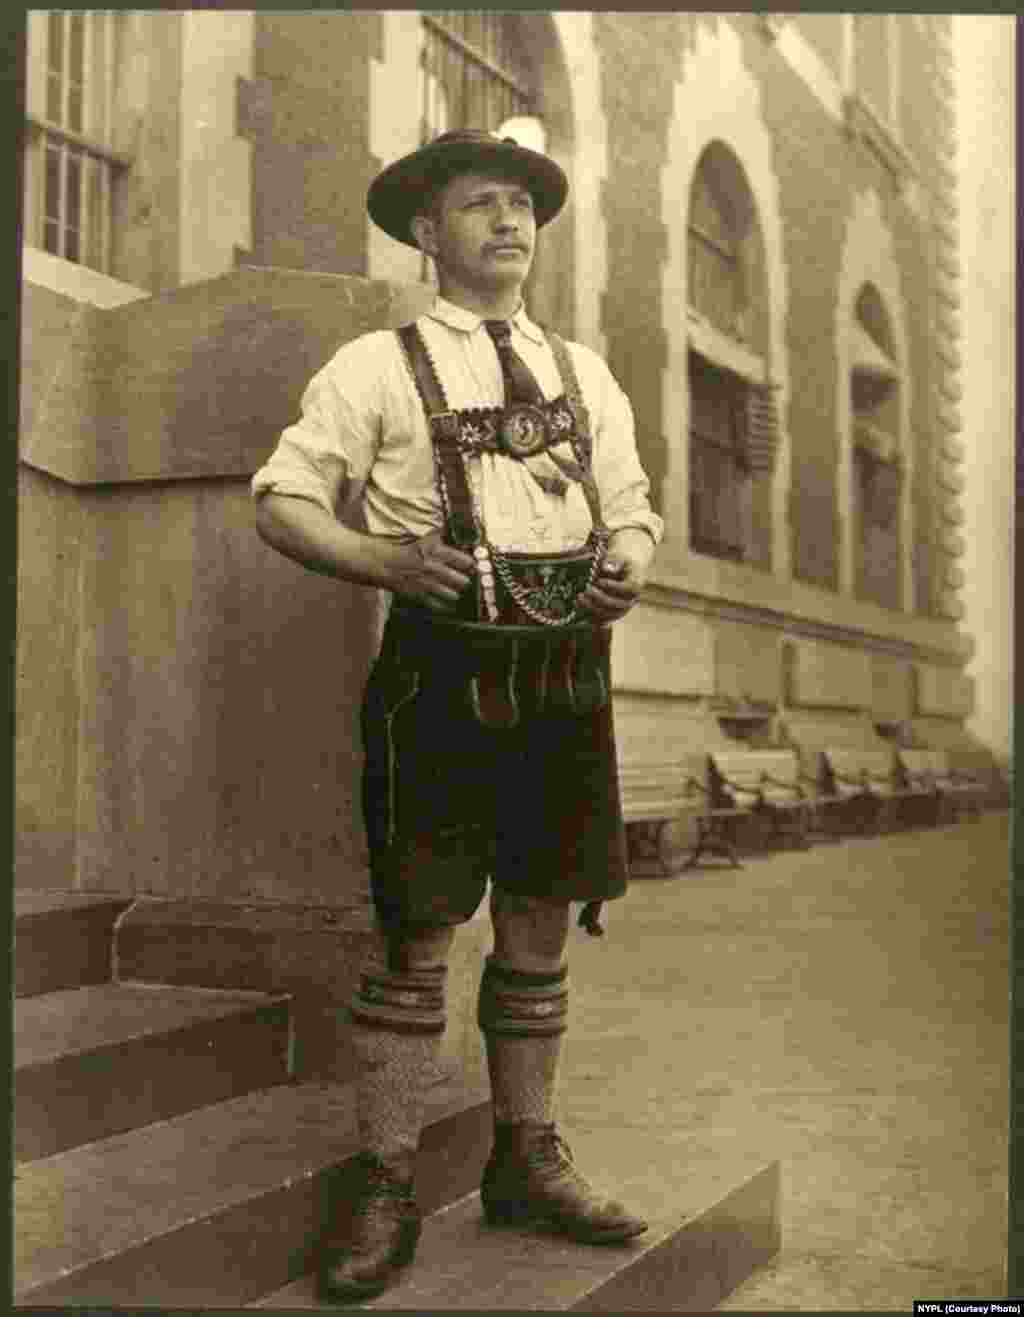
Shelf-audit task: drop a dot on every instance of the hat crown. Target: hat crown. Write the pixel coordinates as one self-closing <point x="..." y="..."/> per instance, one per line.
<point x="470" y="136"/>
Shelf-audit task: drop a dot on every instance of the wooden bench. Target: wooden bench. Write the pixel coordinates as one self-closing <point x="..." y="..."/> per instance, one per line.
<point x="749" y="783"/>
<point x="654" y="795"/>
<point x="932" y="772"/>
<point x="871" y="778"/>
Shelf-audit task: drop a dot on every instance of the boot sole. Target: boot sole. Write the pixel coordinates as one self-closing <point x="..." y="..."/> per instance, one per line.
<point x="552" y="1225"/>
<point x="354" y="1291"/>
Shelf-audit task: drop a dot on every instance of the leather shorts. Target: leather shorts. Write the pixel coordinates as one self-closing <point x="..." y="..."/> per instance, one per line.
<point x="490" y="753"/>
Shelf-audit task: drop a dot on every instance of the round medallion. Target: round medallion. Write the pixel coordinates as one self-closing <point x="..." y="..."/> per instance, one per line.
<point x="524" y="430"/>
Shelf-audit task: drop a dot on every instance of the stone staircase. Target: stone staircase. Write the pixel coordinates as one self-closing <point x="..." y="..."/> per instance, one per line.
<point x="170" y="1153"/>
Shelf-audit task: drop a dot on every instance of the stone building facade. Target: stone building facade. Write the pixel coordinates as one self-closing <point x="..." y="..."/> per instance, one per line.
<point x="762" y="240"/>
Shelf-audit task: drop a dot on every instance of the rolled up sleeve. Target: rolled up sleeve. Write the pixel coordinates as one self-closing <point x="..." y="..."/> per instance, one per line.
<point x="622" y="484"/>
<point x="334" y="441"/>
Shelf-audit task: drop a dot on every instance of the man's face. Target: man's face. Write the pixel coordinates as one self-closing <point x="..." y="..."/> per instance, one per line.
<point x="480" y="232"/>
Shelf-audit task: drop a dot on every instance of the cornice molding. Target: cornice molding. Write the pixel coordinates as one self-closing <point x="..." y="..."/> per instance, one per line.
<point x="671" y="596"/>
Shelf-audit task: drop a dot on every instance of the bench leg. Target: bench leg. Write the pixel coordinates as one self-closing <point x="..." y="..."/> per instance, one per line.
<point x="792" y="825"/>
<point x="662" y="845"/>
<point x="699" y="849"/>
<point x="711" y="836"/>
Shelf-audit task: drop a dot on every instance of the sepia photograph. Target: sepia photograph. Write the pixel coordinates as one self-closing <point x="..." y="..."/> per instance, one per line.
<point x="625" y="400"/>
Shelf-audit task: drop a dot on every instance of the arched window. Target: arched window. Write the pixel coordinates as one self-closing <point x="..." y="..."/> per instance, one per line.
<point x="878" y="468"/>
<point x="732" y="422"/>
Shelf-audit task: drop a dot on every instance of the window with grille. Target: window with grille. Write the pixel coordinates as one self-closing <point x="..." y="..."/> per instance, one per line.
<point x="475" y="74"/>
<point x="71" y="164"/>
<point x="719" y="474"/>
<point x="732" y="434"/>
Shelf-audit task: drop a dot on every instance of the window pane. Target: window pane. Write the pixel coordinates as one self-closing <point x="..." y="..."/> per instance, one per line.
<point x="99" y="72"/>
<point x="715" y="502"/>
<point x="74" y="196"/>
<point x="707" y="215"/>
<point x="75" y="107"/>
<point x="55" y="41"/>
<point x="76" y="62"/>
<point x="95" y="256"/>
<point x="475" y="95"/>
<point x="714" y="285"/>
<point x="51" y="201"/>
<point x="53" y="95"/>
<point x="715" y="279"/>
<point x="718" y="478"/>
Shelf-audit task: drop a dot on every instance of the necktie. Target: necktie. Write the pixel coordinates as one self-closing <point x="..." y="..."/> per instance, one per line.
<point x="521" y="387"/>
<point x="520" y="384"/>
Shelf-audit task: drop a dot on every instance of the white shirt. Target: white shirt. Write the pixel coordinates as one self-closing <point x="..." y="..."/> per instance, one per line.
<point x="363" y="426"/>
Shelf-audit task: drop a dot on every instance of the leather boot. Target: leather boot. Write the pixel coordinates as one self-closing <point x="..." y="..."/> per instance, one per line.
<point x="530" y="1180"/>
<point x="382" y="1239"/>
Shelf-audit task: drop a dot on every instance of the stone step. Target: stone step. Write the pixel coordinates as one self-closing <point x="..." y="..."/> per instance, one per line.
<point x="62" y="939"/>
<point x="712" y="1223"/>
<point x="215" y="1207"/>
<point x="94" y="1061"/>
<point x="312" y="954"/>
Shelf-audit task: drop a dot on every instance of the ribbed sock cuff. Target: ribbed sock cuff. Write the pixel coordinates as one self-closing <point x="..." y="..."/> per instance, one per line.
<point x="519" y="1004"/>
<point x="412" y="1001"/>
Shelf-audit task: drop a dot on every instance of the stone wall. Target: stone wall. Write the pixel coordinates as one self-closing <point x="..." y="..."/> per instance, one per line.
<point x="188" y="699"/>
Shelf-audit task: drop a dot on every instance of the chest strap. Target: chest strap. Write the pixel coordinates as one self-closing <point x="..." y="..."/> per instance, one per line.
<point x="456" y="499"/>
<point x="448" y="435"/>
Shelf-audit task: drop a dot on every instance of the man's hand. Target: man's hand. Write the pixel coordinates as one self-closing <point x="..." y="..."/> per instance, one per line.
<point x="424" y="570"/>
<point x="430" y="572"/>
<point x="622" y="576"/>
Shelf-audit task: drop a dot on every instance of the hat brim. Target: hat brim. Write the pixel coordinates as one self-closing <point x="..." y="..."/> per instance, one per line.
<point x="401" y="191"/>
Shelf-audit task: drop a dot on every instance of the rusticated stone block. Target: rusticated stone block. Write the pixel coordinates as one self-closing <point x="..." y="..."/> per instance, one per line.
<point x="747" y="662"/>
<point x="822" y="674"/>
<point x="664" y="651"/>
<point x="892" y="697"/>
<point x="942" y="692"/>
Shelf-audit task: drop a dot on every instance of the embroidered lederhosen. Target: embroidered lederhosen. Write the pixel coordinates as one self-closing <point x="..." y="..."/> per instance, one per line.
<point x="522" y="668"/>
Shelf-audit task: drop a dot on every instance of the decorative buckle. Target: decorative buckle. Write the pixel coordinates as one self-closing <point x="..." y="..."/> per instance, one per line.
<point x="524" y="430"/>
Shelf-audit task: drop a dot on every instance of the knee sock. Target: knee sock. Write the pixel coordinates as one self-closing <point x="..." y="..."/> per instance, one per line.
<point x="398" y="1018"/>
<point x="523" y="1018"/>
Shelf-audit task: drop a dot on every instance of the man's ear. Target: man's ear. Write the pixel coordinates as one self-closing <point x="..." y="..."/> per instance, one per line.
<point x="424" y="230"/>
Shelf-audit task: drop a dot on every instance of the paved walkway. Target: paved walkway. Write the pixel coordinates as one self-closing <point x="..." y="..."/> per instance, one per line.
<point x="844" y="1010"/>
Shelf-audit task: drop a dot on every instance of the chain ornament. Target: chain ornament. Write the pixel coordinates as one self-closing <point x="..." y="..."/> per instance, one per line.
<point x="525" y="599"/>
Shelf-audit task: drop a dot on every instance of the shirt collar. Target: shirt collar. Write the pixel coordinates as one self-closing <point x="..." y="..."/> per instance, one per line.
<point x="457" y="317"/>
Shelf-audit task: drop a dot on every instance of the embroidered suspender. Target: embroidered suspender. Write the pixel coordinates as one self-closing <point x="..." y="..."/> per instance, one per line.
<point x="456" y="498"/>
<point x="456" y="434"/>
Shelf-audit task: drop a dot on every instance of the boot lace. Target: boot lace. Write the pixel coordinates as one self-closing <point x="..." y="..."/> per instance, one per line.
<point x="551" y="1153"/>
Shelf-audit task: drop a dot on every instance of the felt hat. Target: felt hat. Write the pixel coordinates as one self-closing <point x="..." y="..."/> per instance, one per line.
<point x="402" y="190"/>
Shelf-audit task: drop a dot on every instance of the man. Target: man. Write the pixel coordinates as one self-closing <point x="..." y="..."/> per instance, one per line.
<point x="508" y="516"/>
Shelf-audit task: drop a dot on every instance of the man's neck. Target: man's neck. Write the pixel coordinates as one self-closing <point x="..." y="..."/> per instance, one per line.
<point x="501" y="305"/>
